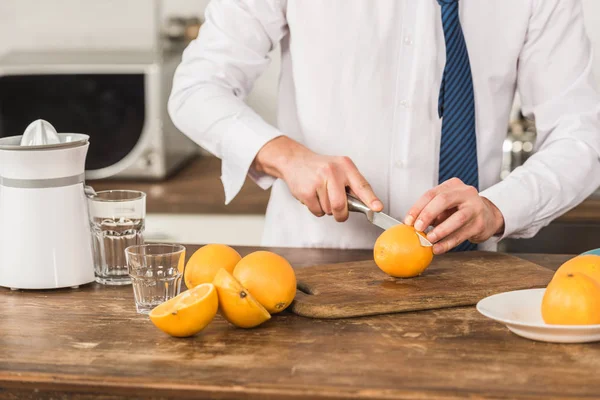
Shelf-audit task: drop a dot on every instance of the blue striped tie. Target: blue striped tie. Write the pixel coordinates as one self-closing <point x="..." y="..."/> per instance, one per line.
<point x="458" y="145"/>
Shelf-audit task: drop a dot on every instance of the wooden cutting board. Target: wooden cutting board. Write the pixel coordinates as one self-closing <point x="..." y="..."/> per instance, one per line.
<point x="456" y="279"/>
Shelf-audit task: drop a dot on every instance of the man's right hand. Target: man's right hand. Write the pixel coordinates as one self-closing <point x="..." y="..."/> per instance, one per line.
<point x="319" y="182"/>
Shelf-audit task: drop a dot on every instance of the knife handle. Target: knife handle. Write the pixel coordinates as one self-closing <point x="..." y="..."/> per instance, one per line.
<point x="355" y="205"/>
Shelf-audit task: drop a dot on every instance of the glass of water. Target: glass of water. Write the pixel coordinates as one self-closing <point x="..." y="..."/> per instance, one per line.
<point x="156" y="272"/>
<point x="117" y="222"/>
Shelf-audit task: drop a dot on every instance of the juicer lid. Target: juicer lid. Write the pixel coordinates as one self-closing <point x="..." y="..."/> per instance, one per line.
<point x="41" y="135"/>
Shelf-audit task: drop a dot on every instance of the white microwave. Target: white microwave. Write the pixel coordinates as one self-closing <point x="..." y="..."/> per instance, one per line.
<point x="118" y="98"/>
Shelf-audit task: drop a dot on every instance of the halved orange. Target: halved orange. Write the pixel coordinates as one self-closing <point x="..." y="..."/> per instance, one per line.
<point x="269" y="278"/>
<point x="187" y="313"/>
<point x="236" y="303"/>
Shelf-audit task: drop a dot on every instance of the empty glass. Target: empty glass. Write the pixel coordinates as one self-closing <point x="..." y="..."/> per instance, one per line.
<point x="117" y="222"/>
<point x="156" y="271"/>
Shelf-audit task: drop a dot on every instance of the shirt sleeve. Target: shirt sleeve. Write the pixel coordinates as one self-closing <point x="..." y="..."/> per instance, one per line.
<point x="557" y="89"/>
<point x="216" y="73"/>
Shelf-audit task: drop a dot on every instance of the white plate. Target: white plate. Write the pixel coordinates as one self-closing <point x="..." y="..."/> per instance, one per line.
<point x="521" y="312"/>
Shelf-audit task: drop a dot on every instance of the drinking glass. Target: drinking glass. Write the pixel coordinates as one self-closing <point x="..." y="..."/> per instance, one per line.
<point x="117" y="222"/>
<point x="156" y="271"/>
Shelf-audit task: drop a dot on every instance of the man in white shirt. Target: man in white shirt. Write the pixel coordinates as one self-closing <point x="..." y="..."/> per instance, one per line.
<point x="362" y="105"/>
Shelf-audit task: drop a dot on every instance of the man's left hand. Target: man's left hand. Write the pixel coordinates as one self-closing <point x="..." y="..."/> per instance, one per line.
<point x="458" y="213"/>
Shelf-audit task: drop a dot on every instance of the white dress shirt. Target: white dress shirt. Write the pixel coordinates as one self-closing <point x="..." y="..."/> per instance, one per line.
<point x="361" y="78"/>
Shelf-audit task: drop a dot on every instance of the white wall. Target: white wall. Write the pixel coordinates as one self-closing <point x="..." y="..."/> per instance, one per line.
<point x="34" y="24"/>
<point x="592" y="23"/>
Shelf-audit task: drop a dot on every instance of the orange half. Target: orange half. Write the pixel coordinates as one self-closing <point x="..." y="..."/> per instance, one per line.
<point x="188" y="313"/>
<point x="236" y="303"/>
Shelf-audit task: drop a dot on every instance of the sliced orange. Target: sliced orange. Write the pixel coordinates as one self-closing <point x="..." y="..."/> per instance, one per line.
<point x="187" y="313"/>
<point x="236" y="303"/>
<point x="269" y="278"/>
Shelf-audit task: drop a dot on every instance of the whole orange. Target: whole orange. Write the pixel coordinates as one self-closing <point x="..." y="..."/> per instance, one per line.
<point x="571" y="299"/>
<point x="204" y="264"/>
<point x="269" y="278"/>
<point x="587" y="264"/>
<point x="399" y="253"/>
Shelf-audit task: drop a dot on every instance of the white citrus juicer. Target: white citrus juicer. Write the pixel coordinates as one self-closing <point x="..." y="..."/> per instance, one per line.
<point x="45" y="240"/>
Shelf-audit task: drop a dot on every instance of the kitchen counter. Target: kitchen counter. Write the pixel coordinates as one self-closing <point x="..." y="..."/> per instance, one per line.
<point x="90" y="343"/>
<point x="586" y="212"/>
<point x="197" y="189"/>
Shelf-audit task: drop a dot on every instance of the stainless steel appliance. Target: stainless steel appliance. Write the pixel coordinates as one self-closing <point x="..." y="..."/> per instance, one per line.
<point x="518" y="145"/>
<point x="118" y="98"/>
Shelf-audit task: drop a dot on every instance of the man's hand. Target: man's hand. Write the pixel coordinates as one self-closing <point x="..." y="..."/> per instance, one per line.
<point x="318" y="181"/>
<point x="457" y="213"/>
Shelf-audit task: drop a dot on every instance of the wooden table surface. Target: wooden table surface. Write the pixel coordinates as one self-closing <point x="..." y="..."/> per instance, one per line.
<point x="197" y="189"/>
<point x="90" y="343"/>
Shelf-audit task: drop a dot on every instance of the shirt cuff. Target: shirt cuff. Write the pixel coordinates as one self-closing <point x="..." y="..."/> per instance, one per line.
<point x="515" y="203"/>
<point x="246" y="134"/>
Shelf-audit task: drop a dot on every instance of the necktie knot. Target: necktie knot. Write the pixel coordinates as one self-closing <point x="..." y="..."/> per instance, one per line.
<point x="447" y="2"/>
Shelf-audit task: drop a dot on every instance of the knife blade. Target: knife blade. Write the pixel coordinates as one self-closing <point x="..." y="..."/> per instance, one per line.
<point x="379" y="219"/>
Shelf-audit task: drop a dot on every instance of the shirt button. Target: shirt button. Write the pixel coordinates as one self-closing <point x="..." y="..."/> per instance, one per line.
<point x="399" y="164"/>
<point x="408" y="40"/>
<point x="404" y="104"/>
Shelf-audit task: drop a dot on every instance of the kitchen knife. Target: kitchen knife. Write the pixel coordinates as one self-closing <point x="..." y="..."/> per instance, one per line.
<point x="379" y="219"/>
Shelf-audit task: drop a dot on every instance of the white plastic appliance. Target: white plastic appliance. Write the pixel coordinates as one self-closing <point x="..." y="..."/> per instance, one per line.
<point x="45" y="239"/>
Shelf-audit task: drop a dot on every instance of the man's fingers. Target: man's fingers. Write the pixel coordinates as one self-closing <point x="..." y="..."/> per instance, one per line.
<point x="416" y="209"/>
<point x="420" y="204"/>
<point x="313" y="205"/>
<point x="361" y="188"/>
<point x="323" y="196"/>
<point x="444" y="216"/>
<point x="337" y="175"/>
<point x="336" y="191"/>
<point x="452" y="240"/>
<point x="452" y="224"/>
<point x="440" y="203"/>
<point x="309" y="198"/>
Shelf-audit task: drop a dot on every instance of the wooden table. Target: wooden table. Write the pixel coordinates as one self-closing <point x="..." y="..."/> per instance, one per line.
<point x="90" y="343"/>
